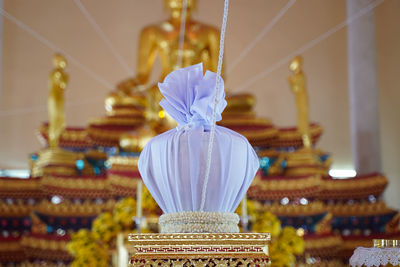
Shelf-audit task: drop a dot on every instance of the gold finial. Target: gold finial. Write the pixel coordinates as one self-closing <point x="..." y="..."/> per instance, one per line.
<point x="298" y="86"/>
<point x="296" y="65"/>
<point x="58" y="80"/>
<point x="59" y="61"/>
<point x="170" y="4"/>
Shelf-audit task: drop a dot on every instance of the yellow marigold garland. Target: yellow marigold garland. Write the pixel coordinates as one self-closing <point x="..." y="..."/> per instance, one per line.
<point x="87" y="251"/>
<point x="285" y="243"/>
<point x="90" y="247"/>
<point x="124" y="212"/>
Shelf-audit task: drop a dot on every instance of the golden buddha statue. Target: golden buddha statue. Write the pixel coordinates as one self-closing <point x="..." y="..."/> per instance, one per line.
<point x="305" y="155"/>
<point x="201" y="44"/>
<point x="56" y="160"/>
<point x="298" y="86"/>
<point x="57" y="83"/>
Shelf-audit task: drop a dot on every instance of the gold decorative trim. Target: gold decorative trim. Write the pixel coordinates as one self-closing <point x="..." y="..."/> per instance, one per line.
<point x="312" y="208"/>
<point x="121" y="121"/>
<point x="315" y="130"/>
<point x="67" y="208"/>
<point x="120" y="160"/>
<point x="323" y="242"/>
<point x="198" y="246"/>
<point x="386" y="243"/>
<point x="255" y="135"/>
<point x="18" y="184"/>
<point x="42" y="243"/>
<point x="359" y="209"/>
<point x="201" y="262"/>
<point x="287" y="184"/>
<point x="10" y="245"/>
<point x="200" y="238"/>
<point x="121" y="181"/>
<point x="352" y="244"/>
<point x="246" y="122"/>
<point x="67" y="135"/>
<point x="15" y="209"/>
<point x="74" y="183"/>
<point x="40" y="264"/>
<point x="106" y="135"/>
<point x="301" y="171"/>
<point x="354" y="183"/>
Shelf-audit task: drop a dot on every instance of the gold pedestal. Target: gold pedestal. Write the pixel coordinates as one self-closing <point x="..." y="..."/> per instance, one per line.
<point x="241" y="249"/>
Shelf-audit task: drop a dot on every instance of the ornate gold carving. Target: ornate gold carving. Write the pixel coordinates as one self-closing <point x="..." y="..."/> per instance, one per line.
<point x="199" y="249"/>
<point x="207" y="238"/>
<point x="201" y="262"/>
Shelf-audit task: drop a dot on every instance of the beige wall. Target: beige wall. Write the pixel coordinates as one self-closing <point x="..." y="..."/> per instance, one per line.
<point x="27" y="63"/>
<point x="388" y="44"/>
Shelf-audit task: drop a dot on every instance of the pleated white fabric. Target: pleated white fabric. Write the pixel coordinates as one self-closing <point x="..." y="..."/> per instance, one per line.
<point x="172" y="164"/>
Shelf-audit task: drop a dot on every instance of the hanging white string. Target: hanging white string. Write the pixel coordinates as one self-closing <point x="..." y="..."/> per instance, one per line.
<point x="99" y="31"/>
<point x="214" y="115"/>
<point x="182" y="34"/>
<point x="307" y="46"/>
<point x="262" y="33"/>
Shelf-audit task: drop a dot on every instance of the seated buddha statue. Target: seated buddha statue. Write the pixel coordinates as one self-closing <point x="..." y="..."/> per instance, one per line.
<point x="201" y="44"/>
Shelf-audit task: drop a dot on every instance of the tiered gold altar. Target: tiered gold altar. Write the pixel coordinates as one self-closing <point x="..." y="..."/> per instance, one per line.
<point x="85" y="182"/>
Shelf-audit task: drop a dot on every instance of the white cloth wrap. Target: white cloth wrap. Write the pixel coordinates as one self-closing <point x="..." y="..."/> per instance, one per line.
<point x="370" y="257"/>
<point x="173" y="164"/>
<point x="199" y="222"/>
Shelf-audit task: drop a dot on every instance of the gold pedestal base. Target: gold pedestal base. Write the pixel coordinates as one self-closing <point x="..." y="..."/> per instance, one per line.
<point x="241" y="249"/>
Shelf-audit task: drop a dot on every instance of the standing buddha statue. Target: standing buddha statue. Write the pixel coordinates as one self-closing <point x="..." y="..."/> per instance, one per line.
<point x="57" y="83"/>
<point x="54" y="159"/>
<point x="298" y="86"/>
<point x="306" y="155"/>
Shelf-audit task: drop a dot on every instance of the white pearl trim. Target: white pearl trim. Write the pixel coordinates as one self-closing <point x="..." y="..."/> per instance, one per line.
<point x="199" y="222"/>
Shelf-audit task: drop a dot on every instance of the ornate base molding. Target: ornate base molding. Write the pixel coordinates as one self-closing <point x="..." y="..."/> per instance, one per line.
<point x="211" y="249"/>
